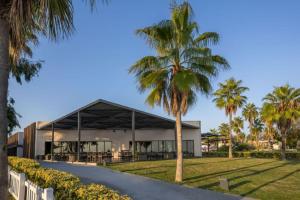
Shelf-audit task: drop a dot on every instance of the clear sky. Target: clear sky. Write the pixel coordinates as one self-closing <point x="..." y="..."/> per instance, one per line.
<point x="259" y="38"/>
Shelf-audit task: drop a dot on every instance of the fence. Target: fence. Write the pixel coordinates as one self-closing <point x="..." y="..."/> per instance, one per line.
<point x="22" y="189"/>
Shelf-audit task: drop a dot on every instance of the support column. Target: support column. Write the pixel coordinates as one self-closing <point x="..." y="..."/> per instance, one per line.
<point x="133" y="135"/>
<point x="52" y="142"/>
<point x="79" y="135"/>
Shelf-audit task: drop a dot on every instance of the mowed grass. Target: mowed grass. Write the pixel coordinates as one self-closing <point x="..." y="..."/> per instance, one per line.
<point x="257" y="178"/>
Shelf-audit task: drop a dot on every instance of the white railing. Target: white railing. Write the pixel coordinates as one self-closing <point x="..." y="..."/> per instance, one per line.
<point x="22" y="189"/>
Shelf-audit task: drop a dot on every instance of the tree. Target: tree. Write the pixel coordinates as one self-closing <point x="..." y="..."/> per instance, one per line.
<point x="283" y="107"/>
<point x="12" y="116"/>
<point x="230" y="97"/>
<point x="20" y="22"/>
<point x="224" y="129"/>
<point x="256" y="131"/>
<point x="268" y="119"/>
<point x="237" y="125"/>
<point x="183" y="66"/>
<point x="250" y="113"/>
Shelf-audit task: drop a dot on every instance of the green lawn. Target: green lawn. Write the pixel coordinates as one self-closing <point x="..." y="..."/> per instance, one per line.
<point x="258" y="178"/>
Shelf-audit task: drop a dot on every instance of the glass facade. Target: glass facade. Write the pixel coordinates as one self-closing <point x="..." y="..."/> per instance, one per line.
<point x="68" y="147"/>
<point x="167" y="146"/>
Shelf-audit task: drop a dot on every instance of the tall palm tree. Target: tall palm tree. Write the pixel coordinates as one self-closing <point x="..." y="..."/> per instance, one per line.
<point x="283" y="106"/>
<point x="237" y="125"/>
<point x="230" y="97"/>
<point x="20" y="22"/>
<point x="183" y="66"/>
<point x="250" y="113"/>
<point x="268" y="119"/>
<point x="256" y="131"/>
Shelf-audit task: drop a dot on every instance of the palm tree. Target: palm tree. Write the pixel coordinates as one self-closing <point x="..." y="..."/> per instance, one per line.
<point x="250" y="113"/>
<point x="224" y="129"/>
<point x="230" y="97"/>
<point x="268" y="119"/>
<point x="237" y="126"/>
<point x="182" y="67"/>
<point x="256" y="131"/>
<point x="20" y="22"/>
<point x="283" y="107"/>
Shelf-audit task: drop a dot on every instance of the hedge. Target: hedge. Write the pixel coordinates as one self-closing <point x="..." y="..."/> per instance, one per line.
<point x="254" y="154"/>
<point x="66" y="186"/>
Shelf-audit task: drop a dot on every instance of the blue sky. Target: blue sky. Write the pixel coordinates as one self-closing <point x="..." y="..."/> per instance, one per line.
<point x="260" y="39"/>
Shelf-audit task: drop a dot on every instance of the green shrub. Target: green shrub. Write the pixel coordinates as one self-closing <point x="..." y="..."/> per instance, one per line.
<point x="66" y="186"/>
<point x="254" y="154"/>
<point x="243" y="147"/>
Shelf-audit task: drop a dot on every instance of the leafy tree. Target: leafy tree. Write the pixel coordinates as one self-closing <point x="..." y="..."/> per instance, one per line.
<point x="230" y="97"/>
<point x="250" y="113"/>
<point x="213" y="131"/>
<point x="283" y="107"/>
<point x="256" y="131"/>
<point x="224" y="129"/>
<point x="12" y="116"/>
<point x="20" y="22"/>
<point x="237" y="125"/>
<point x="183" y="66"/>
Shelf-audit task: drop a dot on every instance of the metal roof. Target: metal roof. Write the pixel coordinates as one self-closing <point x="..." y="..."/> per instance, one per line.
<point x="102" y="114"/>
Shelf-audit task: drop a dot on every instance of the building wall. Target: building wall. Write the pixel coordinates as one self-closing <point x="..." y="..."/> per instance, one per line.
<point x="120" y="138"/>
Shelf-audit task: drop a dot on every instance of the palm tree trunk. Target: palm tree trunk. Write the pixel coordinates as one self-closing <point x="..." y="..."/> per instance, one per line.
<point x="4" y="75"/>
<point x="283" y="144"/>
<point x="179" y="161"/>
<point x="230" y="137"/>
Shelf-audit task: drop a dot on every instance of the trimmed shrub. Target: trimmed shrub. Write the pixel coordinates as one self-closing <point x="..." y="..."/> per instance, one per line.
<point x="65" y="185"/>
<point x="254" y="154"/>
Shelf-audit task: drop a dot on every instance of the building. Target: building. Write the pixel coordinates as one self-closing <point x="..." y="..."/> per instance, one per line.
<point x="105" y="130"/>
<point x="15" y="144"/>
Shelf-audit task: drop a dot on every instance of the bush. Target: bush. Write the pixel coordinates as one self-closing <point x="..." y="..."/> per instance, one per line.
<point x="243" y="147"/>
<point x="254" y="154"/>
<point x="65" y="185"/>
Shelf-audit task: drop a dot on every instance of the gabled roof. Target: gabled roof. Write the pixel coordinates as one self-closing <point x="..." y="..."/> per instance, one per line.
<point x="102" y="114"/>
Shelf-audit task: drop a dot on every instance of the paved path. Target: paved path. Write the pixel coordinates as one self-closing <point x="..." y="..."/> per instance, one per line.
<point x="137" y="187"/>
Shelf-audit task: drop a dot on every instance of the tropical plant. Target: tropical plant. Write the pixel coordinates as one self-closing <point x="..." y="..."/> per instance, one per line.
<point x="237" y="126"/>
<point x="268" y="119"/>
<point x="224" y="129"/>
<point x="183" y="66"/>
<point x="20" y="23"/>
<point x="230" y="97"/>
<point x="256" y="131"/>
<point x="283" y="107"/>
<point x="250" y="113"/>
<point x="213" y="131"/>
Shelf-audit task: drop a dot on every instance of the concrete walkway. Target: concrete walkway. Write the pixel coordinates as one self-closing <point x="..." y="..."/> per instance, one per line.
<point x="137" y="187"/>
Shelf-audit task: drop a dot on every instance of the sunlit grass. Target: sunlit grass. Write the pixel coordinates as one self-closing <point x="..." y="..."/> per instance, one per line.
<point x="258" y="178"/>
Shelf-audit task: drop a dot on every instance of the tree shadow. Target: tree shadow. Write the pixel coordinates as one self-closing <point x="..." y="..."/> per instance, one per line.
<point x="219" y="173"/>
<point x="270" y="182"/>
<point x="255" y="172"/>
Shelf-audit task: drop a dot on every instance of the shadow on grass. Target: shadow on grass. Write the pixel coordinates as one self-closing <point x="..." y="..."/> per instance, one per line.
<point x="216" y="183"/>
<point x="219" y="173"/>
<point x="270" y="182"/>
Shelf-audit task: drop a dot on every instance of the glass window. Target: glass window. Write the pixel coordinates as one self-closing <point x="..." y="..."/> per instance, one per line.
<point x="154" y="146"/>
<point x="57" y="147"/>
<point x="93" y="146"/>
<point x="100" y="146"/>
<point x="107" y="147"/>
<point x="184" y="146"/>
<point x="64" y="147"/>
<point x="169" y="147"/>
<point x="161" y="146"/>
<point x="84" y="147"/>
<point x="191" y="146"/>
<point x="147" y="146"/>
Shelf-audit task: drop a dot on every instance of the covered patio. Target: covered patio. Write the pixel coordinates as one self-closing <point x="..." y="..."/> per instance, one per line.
<point x="116" y="120"/>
